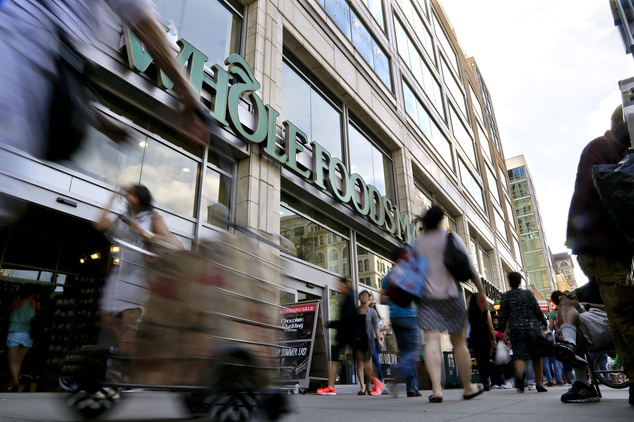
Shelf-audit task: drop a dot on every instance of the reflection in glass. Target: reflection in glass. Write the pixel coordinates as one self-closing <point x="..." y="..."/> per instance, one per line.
<point x="326" y="124"/>
<point x="362" y="39"/>
<point x="372" y="268"/>
<point x="170" y="176"/>
<point x="217" y="196"/>
<point x="318" y="246"/>
<point x="339" y="12"/>
<point x="208" y="25"/>
<point x="370" y="163"/>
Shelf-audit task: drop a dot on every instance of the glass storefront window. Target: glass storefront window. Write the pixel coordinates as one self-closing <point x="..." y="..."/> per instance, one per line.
<point x="463" y="137"/>
<point x="212" y="26"/>
<point x="493" y="185"/>
<point x="218" y="189"/>
<point x="430" y="129"/>
<point x="321" y="246"/>
<point x="372" y="267"/>
<point x="422" y="201"/>
<point x="370" y="163"/>
<point x="472" y="186"/>
<point x="309" y="116"/>
<point x="413" y="59"/>
<point x="170" y="176"/>
<point x="376" y="9"/>
<point x="361" y="37"/>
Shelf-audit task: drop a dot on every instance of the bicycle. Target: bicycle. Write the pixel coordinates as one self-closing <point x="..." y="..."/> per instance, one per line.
<point x="607" y="369"/>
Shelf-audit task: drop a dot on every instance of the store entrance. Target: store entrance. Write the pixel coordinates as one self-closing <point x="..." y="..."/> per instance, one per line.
<point x="66" y="260"/>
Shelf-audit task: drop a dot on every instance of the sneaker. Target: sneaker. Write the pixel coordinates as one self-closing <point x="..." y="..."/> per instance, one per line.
<point x="508" y="385"/>
<point x="378" y="387"/>
<point x="567" y="352"/>
<point x="386" y="390"/>
<point x="531" y="387"/>
<point x="540" y="388"/>
<point x="496" y="387"/>
<point x="580" y="393"/>
<point x="107" y="393"/>
<point x="327" y="391"/>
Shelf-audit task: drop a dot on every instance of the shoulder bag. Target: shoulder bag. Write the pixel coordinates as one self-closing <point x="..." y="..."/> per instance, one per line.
<point x="456" y="260"/>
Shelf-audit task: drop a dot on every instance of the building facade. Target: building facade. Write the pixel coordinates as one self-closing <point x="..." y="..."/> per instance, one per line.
<point x="338" y="123"/>
<point x="537" y="255"/>
<point x="565" y="266"/>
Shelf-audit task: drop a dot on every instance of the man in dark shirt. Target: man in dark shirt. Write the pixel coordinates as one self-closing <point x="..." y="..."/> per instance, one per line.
<point x="602" y="251"/>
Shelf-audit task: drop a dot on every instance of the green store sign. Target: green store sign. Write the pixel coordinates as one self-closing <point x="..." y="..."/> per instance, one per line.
<point x="228" y="86"/>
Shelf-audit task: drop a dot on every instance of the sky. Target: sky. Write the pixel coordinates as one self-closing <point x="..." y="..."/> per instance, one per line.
<point x="552" y="69"/>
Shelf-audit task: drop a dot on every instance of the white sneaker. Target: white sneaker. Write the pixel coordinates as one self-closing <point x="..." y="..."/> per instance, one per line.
<point x="531" y="387"/>
<point x="508" y="385"/>
<point x="496" y="387"/>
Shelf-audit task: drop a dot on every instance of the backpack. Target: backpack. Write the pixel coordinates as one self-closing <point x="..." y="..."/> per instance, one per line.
<point x="406" y="280"/>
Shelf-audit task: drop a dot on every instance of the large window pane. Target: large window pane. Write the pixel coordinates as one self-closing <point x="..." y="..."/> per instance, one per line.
<point x="339" y="12"/>
<point x="315" y="243"/>
<point x="372" y="267"/>
<point x="209" y="25"/>
<point x="471" y="184"/>
<point x="170" y="176"/>
<point x="325" y="123"/>
<point x="295" y="107"/>
<point x="316" y="117"/>
<point x="463" y="137"/>
<point x="217" y="195"/>
<point x="370" y="163"/>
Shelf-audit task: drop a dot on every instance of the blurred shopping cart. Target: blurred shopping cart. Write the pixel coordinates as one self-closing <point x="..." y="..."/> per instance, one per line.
<point x="209" y="331"/>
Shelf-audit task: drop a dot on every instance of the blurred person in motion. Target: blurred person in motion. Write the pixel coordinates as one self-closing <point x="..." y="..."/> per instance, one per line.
<point x="519" y="313"/>
<point x="602" y="250"/>
<point x="443" y="307"/>
<point x="350" y="332"/>
<point x="501" y="374"/>
<point x="29" y="50"/>
<point x="126" y="291"/>
<point x="481" y="338"/>
<point x="405" y="326"/>
<point x="19" y="339"/>
<point x="377" y="345"/>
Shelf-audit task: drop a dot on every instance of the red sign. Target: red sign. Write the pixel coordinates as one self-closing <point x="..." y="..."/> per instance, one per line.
<point x="543" y="305"/>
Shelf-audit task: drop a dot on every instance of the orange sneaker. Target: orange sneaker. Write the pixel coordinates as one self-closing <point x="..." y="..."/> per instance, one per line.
<point x="327" y="391"/>
<point x="378" y="387"/>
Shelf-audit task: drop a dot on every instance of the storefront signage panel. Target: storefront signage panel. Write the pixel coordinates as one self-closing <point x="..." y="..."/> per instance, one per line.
<point x="229" y="86"/>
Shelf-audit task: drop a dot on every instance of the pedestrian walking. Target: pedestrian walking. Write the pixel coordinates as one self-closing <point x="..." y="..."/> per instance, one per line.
<point x="443" y="308"/>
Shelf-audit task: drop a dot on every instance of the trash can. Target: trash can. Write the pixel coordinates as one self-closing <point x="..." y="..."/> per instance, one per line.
<point x="452" y="376"/>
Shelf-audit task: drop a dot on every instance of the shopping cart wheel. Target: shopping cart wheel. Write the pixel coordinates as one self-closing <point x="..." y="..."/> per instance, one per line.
<point x="198" y="405"/>
<point x="91" y="405"/>
<point x="234" y="405"/>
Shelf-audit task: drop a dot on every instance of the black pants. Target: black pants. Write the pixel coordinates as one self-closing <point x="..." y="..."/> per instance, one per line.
<point x="482" y="353"/>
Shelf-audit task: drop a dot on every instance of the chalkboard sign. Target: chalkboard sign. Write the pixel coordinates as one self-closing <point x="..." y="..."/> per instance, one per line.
<point x="302" y="344"/>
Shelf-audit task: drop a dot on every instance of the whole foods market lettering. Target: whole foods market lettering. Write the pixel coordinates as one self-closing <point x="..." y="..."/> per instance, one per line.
<point x="229" y="86"/>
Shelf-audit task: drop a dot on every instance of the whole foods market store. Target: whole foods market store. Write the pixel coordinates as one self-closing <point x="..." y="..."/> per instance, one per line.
<point x="334" y="224"/>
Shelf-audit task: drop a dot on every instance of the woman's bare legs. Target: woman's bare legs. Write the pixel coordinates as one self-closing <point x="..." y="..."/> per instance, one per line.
<point x="433" y="360"/>
<point x="15" y="356"/>
<point x="463" y="361"/>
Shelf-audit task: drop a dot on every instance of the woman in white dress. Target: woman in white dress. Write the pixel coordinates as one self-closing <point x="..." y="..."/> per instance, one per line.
<point x="126" y="290"/>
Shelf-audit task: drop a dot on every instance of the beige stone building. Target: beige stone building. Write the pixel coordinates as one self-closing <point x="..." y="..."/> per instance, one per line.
<point x="338" y="122"/>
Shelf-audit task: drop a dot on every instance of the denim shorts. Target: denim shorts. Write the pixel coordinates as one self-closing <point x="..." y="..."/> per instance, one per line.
<point x="24" y="339"/>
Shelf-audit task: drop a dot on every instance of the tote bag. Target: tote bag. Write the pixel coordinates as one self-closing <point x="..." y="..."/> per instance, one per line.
<point x="406" y="280"/>
<point x="456" y="260"/>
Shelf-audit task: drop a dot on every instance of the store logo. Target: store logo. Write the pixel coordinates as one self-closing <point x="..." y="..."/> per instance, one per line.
<point x="328" y="172"/>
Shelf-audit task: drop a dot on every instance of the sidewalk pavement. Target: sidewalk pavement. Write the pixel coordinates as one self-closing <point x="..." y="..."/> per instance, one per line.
<point x="500" y="405"/>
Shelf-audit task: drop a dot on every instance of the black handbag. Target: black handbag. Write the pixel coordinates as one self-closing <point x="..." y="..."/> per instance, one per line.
<point x="456" y="260"/>
<point x="542" y="341"/>
<point x="70" y="102"/>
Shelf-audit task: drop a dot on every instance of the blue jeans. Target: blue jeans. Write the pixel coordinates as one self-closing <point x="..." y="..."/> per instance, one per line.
<point x="406" y="333"/>
<point x="556" y="365"/>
